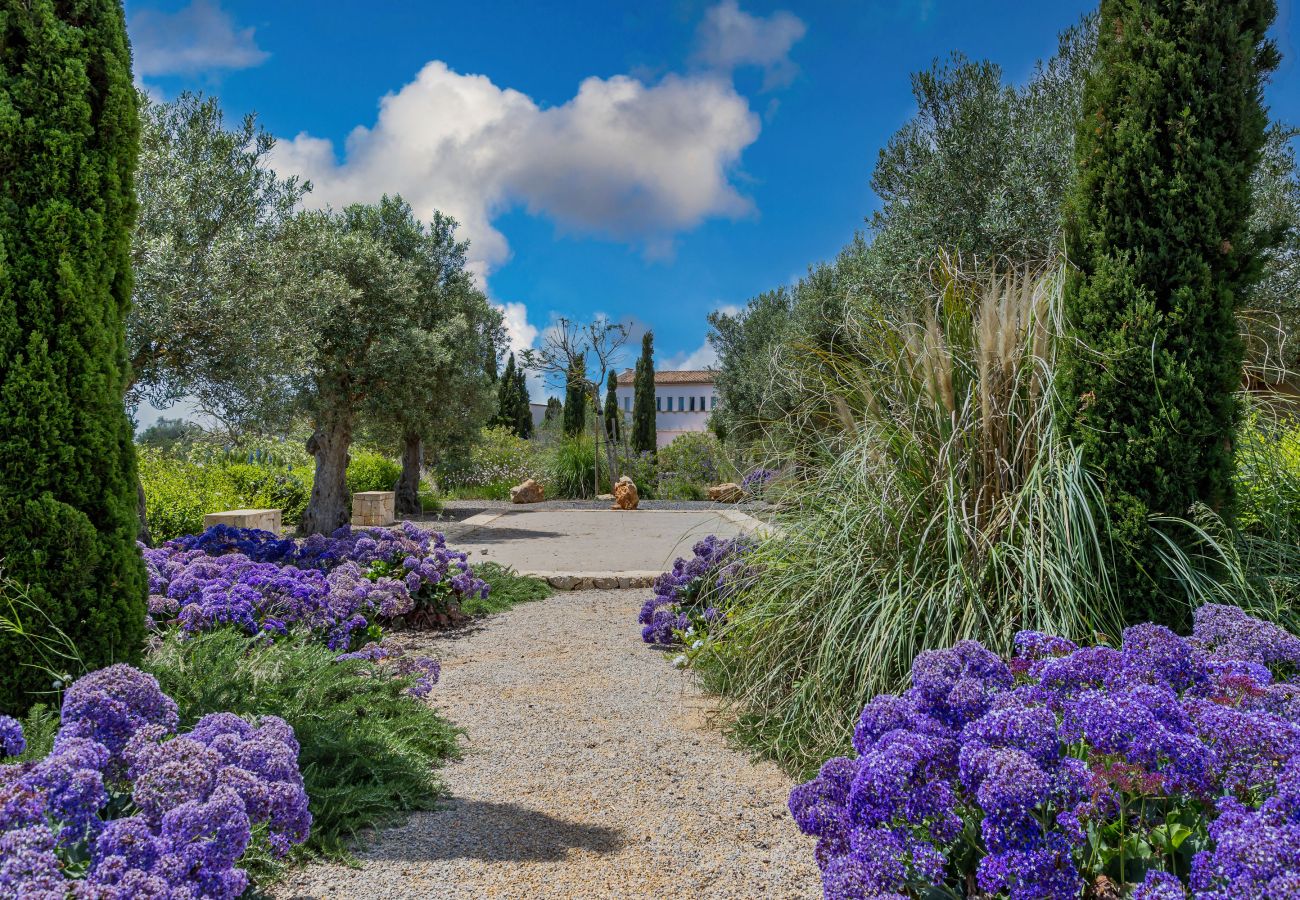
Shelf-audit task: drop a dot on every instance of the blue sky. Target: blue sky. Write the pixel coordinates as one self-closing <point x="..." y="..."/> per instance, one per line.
<point x="650" y="161"/>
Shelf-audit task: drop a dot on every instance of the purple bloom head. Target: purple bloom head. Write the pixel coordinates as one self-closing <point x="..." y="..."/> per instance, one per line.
<point x="12" y="742"/>
<point x="110" y="705"/>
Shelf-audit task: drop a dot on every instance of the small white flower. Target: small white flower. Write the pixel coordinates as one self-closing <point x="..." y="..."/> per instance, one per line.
<point x="698" y="644"/>
<point x="680" y="661"/>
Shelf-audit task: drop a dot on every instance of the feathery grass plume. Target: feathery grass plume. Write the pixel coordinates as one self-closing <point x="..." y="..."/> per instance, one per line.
<point x="942" y="508"/>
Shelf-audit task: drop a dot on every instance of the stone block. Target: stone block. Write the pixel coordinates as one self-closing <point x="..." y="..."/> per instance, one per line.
<point x="260" y="519"/>
<point x="373" y="509"/>
<point x="729" y="492"/>
<point x="528" y="492"/>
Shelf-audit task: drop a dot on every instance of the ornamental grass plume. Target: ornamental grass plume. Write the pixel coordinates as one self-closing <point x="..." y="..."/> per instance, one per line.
<point x="934" y="504"/>
<point x="1169" y="766"/>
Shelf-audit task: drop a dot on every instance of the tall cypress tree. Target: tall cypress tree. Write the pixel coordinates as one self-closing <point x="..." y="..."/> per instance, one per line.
<point x="554" y="410"/>
<point x="1172" y="127"/>
<point x="575" y="398"/>
<point x="643" y="398"/>
<point x="613" y="421"/>
<point x="523" y="412"/>
<point x="69" y="140"/>
<point x="507" y="396"/>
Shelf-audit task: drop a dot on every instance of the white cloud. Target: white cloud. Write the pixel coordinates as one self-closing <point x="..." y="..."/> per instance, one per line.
<point x="622" y="159"/>
<point x="702" y="357"/>
<point x="200" y="37"/>
<point x="730" y="38"/>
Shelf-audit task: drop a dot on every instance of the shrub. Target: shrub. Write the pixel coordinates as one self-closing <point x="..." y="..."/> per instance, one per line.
<point x="371" y="471"/>
<point x="686" y="597"/>
<point x="368" y="747"/>
<point x="496" y="463"/>
<point x="126" y="805"/>
<point x="695" y="458"/>
<point x="335" y="588"/>
<point x="571" y="466"/>
<point x="180" y="491"/>
<point x="1165" y="762"/>
<point x="67" y="205"/>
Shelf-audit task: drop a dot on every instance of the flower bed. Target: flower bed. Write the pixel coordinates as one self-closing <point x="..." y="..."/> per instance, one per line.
<point x="1166" y="767"/>
<point x="684" y="597"/>
<point x="124" y="807"/>
<point x="337" y="588"/>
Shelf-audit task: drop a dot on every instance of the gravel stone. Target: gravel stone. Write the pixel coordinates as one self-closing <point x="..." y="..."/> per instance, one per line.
<point x="591" y="771"/>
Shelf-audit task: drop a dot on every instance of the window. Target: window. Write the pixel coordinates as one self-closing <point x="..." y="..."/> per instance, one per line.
<point x="715" y="402"/>
<point x="659" y="403"/>
<point x="681" y="404"/>
<point x="692" y="404"/>
<point x="702" y="406"/>
<point x="627" y="404"/>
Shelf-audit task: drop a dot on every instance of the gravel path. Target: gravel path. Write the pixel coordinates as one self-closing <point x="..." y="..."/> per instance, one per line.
<point x="591" y="772"/>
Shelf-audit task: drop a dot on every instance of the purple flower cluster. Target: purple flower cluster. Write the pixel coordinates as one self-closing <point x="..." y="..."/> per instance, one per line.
<point x="123" y="807"/>
<point x="12" y="742"/>
<point x="334" y="587"/>
<point x="1168" y="765"/>
<point x="685" y="595"/>
<point x="757" y="479"/>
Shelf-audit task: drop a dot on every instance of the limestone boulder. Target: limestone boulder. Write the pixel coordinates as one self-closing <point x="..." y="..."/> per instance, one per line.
<point x="528" y="492"/>
<point x="625" y="494"/>
<point x="730" y="492"/>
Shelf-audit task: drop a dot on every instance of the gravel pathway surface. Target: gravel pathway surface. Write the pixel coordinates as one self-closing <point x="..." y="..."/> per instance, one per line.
<point x="591" y="771"/>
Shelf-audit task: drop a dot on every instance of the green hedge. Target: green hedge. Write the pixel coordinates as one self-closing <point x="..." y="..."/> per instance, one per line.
<point x="180" y="490"/>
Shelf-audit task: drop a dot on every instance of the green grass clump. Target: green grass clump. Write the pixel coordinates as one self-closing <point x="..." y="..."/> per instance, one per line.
<point x="368" y="750"/>
<point x="507" y="588"/>
<point x="570" y="468"/>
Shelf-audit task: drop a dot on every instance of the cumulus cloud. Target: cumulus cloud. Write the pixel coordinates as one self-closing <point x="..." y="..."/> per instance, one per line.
<point x="702" y="357"/>
<point x="729" y="38"/>
<point x="197" y="38"/>
<point x="621" y="159"/>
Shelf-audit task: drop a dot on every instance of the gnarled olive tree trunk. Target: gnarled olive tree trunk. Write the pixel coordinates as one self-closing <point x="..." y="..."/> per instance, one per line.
<point x="327" y="510"/>
<point x="407" y="488"/>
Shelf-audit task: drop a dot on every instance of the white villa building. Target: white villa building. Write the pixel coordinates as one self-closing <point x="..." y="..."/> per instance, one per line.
<point x="683" y="401"/>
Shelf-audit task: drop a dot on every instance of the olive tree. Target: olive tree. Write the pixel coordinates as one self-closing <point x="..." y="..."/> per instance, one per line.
<point x="354" y="301"/>
<point x="204" y="323"/>
<point x="436" y="390"/>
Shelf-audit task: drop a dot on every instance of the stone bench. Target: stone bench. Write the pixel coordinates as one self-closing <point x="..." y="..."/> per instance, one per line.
<point x="261" y="519"/>
<point x="371" y="508"/>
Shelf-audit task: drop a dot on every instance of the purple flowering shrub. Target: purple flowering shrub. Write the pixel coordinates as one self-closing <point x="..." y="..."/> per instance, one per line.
<point x="756" y="480"/>
<point x="335" y="587"/>
<point x="125" y="807"/>
<point x="1169" y="766"/>
<point x="686" y="596"/>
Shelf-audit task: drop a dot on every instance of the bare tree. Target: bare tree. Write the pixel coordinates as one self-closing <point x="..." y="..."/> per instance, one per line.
<point x="597" y="345"/>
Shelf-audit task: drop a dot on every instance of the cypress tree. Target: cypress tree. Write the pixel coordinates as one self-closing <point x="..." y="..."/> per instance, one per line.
<point x="68" y="138"/>
<point x="613" y="423"/>
<point x="643" y="399"/>
<point x="554" y="410"/>
<point x="506" y="397"/>
<point x="1172" y="127"/>
<point x="522" y="412"/>
<point x="575" y="398"/>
